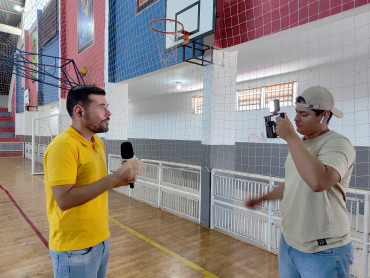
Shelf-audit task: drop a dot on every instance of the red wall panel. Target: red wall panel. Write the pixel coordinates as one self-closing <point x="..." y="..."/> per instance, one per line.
<point x="28" y="83"/>
<point x="13" y="102"/>
<point x="93" y="57"/>
<point x="240" y="21"/>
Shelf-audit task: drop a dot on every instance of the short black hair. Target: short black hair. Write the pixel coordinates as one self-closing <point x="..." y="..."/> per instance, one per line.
<point x="318" y="112"/>
<point x="79" y="95"/>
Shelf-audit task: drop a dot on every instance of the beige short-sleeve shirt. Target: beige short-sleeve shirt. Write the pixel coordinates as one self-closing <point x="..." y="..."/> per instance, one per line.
<point x="316" y="221"/>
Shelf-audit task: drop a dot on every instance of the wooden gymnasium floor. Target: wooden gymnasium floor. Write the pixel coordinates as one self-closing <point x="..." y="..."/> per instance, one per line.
<point x="145" y="241"/>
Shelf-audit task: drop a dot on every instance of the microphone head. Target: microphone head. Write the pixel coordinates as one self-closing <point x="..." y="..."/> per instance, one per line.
<point x="126" y="150"/>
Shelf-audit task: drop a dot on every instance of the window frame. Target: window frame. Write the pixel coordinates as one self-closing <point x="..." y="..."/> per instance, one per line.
<point x="264" y="95"/>
<point x="197" y="105"/>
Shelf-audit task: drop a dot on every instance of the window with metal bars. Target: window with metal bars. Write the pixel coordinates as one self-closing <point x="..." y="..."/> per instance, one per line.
<point x="259" y="97"/>
<point x="197" y="104"/>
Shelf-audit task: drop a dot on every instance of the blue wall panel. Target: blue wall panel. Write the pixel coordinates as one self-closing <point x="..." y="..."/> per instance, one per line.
<point x="48" y="93"/>
<point x="133" y="46"/>
<point x="19" y="94"/>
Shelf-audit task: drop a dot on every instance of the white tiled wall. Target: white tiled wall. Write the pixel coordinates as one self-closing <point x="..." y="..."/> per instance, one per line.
<point x="332" y="52"/>
<point x="117" y="97"/>
<point x="166" y="117"/>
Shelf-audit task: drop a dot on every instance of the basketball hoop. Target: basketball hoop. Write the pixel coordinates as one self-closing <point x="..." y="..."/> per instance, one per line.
<point x="176" y="33"/>
<point x="169" y="32"/>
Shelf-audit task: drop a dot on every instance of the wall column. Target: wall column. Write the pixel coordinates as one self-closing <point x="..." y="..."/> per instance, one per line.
<point x="117" y="97"/>
<point x="218" y="122"/>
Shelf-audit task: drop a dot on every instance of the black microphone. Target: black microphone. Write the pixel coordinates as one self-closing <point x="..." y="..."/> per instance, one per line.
<point x="127" y="153"/>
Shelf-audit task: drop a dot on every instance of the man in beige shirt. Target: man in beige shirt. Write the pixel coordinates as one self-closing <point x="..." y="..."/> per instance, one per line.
<point x="315" y="240"/>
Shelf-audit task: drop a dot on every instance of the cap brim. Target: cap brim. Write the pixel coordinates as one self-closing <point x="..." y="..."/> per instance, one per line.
<point x="337" y="112"/>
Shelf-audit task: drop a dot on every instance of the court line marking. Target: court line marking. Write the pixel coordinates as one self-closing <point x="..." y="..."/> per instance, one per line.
<point x="38" y="233"/>
<point x="166" y="250"/>
<point x="34" y="228"/>
<point x="116" y="215"/>
<point x="250" y="270"/>
<point x="28" y="172"/>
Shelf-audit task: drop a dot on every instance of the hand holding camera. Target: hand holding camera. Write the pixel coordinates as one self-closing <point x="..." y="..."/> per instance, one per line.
<point x="285" y="128"/>
<point x="270" y="124"/>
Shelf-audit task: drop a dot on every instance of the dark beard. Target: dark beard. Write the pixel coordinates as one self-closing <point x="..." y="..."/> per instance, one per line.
<point x="96" y="128"/>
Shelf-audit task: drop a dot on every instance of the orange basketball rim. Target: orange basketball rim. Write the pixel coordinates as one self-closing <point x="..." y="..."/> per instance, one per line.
<point x="175" y="33"/>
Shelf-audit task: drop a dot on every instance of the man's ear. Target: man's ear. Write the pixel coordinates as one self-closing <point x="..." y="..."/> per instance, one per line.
<point x="324" y="115"/>
<point x="78" y="110"/>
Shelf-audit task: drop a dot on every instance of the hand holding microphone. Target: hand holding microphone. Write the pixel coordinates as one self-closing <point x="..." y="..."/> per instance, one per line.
<point x="127" y="152"/>
<point x="131" y="166"/>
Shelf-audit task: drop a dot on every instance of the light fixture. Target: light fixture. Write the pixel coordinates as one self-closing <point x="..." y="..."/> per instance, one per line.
<point x="178" y="85"/>
<point x="274" y="106"/>
<point x="18" y="8"/>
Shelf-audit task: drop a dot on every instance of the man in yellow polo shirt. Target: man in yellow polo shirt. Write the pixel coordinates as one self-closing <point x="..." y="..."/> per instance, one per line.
<point x="316" y="233"/>
<point x="76" y="184"/>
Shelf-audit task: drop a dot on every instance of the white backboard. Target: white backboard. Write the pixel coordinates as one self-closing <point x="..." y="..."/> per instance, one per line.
<point x="197" y="16"/>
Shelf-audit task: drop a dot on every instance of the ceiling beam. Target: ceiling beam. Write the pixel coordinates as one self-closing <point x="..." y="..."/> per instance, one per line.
<point x="7" y="11"/>
<point x="10" y="29"/>
<point x="18" y="2"/>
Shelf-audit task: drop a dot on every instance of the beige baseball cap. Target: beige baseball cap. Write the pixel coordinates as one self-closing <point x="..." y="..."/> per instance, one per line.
<point x="319" y="98"/>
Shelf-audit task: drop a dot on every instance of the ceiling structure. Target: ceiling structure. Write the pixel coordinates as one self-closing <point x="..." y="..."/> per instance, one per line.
<point x="183" y="77"/>
<point x="10" y="18"/>
<point x="9" y="13"/>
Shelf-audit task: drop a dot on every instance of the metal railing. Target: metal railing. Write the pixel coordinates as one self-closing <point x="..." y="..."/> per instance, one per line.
<point x="39" y="152"/>
<point x="27" y="150"/>
<point x="262" y="227"/>
<point x="174" y="187"/>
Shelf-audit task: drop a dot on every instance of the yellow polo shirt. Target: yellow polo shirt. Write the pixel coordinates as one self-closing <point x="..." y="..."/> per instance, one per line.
<point x="71" y="159"/>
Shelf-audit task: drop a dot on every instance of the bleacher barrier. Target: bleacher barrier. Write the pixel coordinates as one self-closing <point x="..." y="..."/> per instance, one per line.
<point x="262" y="226"/>
<point x="174" y="187"/>
<point x="11" y="148"/>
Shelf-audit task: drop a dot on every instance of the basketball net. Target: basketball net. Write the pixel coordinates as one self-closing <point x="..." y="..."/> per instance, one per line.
<point x="165" y="39"/>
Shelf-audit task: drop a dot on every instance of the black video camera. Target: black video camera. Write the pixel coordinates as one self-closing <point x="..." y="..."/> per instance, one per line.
<point x="269" y="123"/>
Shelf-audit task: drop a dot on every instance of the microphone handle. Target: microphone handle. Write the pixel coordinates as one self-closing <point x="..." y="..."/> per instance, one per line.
<point x="132" y="185"/>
